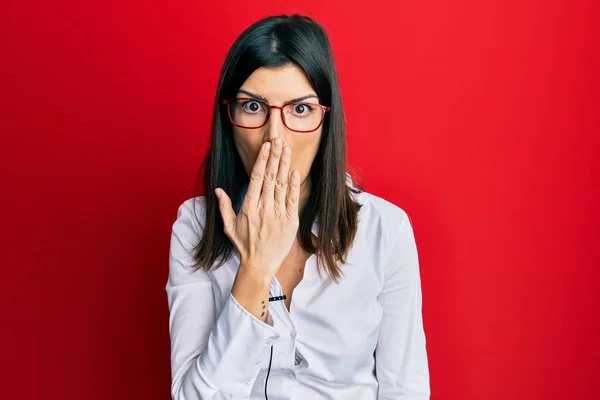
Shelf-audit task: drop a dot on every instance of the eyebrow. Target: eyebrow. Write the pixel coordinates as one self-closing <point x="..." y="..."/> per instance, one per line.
<point x="296" y="100"/>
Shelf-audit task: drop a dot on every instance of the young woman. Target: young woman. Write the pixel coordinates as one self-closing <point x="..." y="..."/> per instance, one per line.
<point x="286" y="281"/>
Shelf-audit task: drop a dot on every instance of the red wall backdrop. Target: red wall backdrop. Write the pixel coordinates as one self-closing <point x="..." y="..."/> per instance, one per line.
<point x="480" y="118"/>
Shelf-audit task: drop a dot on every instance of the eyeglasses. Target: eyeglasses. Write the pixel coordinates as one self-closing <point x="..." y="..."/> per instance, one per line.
<point x="251" y="113"/>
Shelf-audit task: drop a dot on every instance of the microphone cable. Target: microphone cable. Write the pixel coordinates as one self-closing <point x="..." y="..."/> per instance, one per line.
<point x="268" y="372"/>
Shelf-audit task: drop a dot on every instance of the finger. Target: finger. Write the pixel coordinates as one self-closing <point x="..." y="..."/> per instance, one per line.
<point x="268" y="190"/>
<point x="227" y="212"/>
<point x="257" y="175"/>
<point x="293" y="195"/>
<point x="281" y="186"/>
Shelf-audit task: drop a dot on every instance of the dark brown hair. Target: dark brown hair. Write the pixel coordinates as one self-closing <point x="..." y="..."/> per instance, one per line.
<point x="274" y="42"/>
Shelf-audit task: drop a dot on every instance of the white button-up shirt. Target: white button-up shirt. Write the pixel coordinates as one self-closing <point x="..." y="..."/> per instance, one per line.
<point x="359" y="339"/>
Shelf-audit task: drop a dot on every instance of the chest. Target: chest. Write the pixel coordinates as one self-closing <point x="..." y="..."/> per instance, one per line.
<point x="291" y="273"/>
<point x="330" y="325"/>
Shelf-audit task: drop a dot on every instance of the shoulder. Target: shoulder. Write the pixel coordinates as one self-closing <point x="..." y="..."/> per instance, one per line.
<point x="191" y="217"/>
<point x="379" y="215"/>
<point x="376" y="210"/>
<point x="383" y="228"/>
<point x="185" y="236"/>
<point x="385" y="235"/>
<point x="384" y="241"/>
<point x="381" y="207"/>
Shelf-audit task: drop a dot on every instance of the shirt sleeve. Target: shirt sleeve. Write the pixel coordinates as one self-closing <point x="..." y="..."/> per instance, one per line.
<point x="212" y="356"/>
<point x="401" y="357"/>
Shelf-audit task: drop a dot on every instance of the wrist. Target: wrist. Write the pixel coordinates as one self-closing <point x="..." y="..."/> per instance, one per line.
<point x="254" y="275"/>
<point x="251" y="289"/>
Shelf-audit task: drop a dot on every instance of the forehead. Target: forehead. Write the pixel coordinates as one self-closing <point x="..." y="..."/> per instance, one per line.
<point x="278" y="84"/>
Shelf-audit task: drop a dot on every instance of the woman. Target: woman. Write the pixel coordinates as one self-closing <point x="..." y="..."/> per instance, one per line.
<point x="286" y="281"/>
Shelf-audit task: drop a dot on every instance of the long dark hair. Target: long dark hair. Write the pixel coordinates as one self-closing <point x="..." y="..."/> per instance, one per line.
<point x="275" y="42"/>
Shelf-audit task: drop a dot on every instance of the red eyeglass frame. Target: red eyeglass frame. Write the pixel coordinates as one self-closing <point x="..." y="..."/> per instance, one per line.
<point x="228" y="101"/>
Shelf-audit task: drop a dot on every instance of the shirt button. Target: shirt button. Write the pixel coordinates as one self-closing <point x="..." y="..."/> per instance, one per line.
<point x="293" y="335"/>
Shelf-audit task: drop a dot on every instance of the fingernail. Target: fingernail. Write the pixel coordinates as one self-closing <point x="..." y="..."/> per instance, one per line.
<point x="267" y="146"/>
<point x="277" y="142"/>
<point x="217" y="193"/>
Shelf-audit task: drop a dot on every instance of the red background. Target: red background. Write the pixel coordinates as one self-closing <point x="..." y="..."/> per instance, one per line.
<point x="480" y="118"/>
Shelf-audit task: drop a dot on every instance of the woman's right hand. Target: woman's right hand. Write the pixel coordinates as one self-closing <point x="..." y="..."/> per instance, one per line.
<point x="267" y="224"/>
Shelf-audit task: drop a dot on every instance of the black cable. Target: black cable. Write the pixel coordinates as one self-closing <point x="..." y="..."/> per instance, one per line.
<point x="268" y="372"/>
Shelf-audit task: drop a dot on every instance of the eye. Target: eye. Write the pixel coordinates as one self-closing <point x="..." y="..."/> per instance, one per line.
<point x="301" y="109"/>
<point x="252" y="107"/>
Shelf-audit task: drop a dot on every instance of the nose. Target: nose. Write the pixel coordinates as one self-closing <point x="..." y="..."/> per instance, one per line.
<point x="275" y="127"/>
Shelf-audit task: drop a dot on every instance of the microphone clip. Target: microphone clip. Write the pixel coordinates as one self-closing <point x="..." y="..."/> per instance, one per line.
<point x="277" y="298"/>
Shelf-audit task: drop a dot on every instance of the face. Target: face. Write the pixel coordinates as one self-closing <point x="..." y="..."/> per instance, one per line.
<point x="278" y="86"/>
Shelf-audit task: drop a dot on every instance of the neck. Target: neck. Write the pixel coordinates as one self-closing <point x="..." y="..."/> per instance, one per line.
<point x="305" y="191"/>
